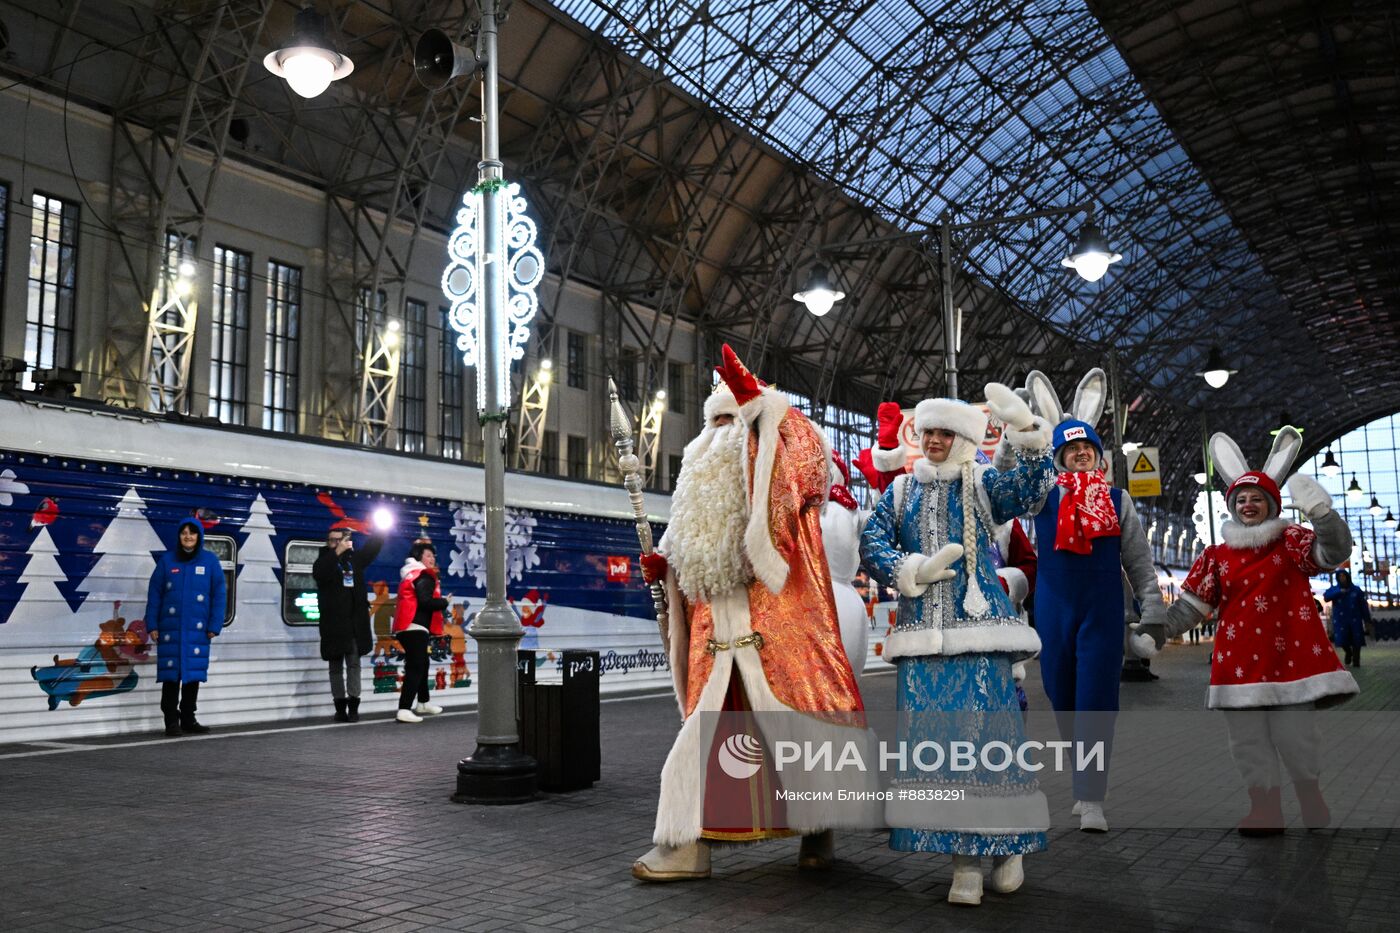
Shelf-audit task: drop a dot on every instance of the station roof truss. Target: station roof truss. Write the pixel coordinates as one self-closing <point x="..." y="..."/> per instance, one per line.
<point x="691" y="160"/>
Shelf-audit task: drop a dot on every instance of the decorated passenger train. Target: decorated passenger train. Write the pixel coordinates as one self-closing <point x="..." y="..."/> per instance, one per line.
<point x="90" y="497"/>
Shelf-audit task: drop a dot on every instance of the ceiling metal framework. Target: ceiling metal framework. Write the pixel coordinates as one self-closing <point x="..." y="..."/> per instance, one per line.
<point x="691" y="159"/>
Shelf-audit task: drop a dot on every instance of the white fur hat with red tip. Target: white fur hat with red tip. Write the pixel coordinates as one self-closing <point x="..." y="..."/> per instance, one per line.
<point x="720" y="402"/>
<point x="950" y="414"/>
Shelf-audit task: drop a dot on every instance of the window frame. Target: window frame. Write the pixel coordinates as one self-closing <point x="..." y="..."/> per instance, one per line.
<point x="230" y="407"/>
<point x="68" y="209"/>
<point x="281" y="309"/>
<point x="230" y="568"/>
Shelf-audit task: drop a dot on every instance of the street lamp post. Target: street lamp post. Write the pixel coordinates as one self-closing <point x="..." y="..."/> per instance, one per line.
<point x="497" y="771"/>
<point x="1090" y="257"/>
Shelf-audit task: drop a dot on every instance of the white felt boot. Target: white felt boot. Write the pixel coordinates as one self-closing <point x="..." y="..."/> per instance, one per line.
<point x="427" y="709"/>
<point x="1008" y="873"/>
<point x="407" y="715"/>
<point x="674" y="863"/>
<point x="1091" y="818"/>
<point x="967" y="881"/>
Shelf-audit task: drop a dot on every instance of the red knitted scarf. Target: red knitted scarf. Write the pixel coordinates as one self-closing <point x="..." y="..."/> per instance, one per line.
<point x="1086" y="512"/>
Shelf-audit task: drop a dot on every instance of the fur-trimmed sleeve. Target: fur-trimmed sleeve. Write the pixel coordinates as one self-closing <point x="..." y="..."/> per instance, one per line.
<point x="1136" y="555"/>
<point x="1013" y="493"/>
<point x="880" y="553"/>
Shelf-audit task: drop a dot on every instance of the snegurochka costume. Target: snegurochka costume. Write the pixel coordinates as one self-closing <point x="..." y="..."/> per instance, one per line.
<point x="956" y="638"/>
<point x="1272" y="665"/>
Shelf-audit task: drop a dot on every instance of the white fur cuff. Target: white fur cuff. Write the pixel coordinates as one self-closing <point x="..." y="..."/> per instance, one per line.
<point x="1036" y="439"/>
<point x="1017" y="586"/>
<point x="887" y="461"/>
<point x="904" y="577"/>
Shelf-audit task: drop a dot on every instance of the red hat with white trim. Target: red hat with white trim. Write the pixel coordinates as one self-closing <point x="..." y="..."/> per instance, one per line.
<point x="1265" y="484"/>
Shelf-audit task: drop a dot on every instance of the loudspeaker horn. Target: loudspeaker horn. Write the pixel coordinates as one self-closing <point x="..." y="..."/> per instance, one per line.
<point x="437" y="60"/>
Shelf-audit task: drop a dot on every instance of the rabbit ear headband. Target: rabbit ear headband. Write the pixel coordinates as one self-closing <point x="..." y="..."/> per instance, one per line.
<point x="1089" y="397"/>
<point x="1230" y="463"/>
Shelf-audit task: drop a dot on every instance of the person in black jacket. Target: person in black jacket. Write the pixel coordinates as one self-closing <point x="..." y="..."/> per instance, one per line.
<point x="343" y="600"/>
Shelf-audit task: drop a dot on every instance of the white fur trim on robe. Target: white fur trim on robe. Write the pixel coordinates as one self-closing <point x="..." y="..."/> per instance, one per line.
<point x="1017" y="586"/>
<point x="1282" y="693"/>
<point x="904" y="578"/>
<point x="887" y="461"/>
<point x="680" y="811"/>
<point x="1015" y="638"/>
<point x="765" y="412"/>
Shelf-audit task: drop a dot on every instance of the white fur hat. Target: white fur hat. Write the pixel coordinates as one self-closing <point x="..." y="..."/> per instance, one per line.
<point x="721" y="402"/>
<point x="950" y="414"/>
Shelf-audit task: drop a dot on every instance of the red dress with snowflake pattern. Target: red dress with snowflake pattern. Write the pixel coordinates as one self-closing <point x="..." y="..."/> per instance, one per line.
<point x="1270" y="646"/>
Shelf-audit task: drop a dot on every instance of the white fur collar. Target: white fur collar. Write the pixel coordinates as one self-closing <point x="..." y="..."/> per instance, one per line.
<point x="926" y="471"/>
<point x="1252" y="537"/>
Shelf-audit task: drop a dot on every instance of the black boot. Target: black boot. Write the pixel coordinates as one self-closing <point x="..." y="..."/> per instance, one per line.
<point x="189" y="702"/>
<point x="170" y="707"/>
<point x="354" y="713"/>
<point x="172" y="726"/>
<point x="340" y="714"/>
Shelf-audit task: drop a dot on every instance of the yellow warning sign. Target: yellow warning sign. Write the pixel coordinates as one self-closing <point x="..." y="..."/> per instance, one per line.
<point x="1144" y="477"/>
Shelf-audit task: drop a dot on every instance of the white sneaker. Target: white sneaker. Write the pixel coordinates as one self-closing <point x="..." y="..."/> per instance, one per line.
<point x="1091" y="818"/>
<point x="407" y="715"/>
<point x="967" y="881"/>
<point x="1078" y="808"/>
<point x="427" y="709"/>
<point x="1008" y="873"/>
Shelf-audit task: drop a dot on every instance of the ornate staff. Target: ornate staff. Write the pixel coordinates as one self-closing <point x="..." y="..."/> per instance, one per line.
<point x="631" y="467"/>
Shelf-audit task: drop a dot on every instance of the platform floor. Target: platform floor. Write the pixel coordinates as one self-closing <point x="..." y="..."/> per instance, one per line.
<point x="349" y="827"/>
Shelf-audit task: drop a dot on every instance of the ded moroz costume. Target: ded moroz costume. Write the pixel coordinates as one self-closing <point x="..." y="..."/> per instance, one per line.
<point x="753" y="634"/>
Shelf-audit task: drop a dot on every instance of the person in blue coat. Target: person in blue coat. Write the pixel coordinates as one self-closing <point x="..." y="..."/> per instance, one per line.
<point x="1350" y="616"/>
<point x="185" y="604"/>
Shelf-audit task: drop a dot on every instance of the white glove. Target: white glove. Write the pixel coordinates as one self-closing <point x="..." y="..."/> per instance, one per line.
<point x="1008" y="407"/>
<point x="936" y="567"/>
<point x="1142" y="644"/>
<point x="1309" y="496"/>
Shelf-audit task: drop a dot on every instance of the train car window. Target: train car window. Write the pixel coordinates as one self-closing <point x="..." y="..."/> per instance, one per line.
<point x="226" y="550"/>
<point x="299" y="603"/>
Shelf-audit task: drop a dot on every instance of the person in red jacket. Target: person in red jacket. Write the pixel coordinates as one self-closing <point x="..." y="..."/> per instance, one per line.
<point x="417" y="617"/>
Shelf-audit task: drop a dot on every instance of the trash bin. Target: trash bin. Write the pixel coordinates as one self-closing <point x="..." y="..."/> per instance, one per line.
<point x="559" y="722"/>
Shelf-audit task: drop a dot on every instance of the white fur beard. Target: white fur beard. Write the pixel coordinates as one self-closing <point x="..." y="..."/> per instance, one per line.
<point x="709" y="512"/>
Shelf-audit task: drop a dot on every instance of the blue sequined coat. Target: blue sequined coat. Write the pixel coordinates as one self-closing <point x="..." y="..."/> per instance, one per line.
<point x="922" y="512"/>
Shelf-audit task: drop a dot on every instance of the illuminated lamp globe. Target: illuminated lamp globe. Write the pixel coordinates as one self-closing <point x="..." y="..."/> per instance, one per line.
<point x="1375" y="507"/>
<point x="1091" y="255"/>
<point x="309" y="63"/>
<point x="1354" y="491"/>
<point x="1389" y="520"/>
<point x="819" y="296"/>
<point x="1330" y="466"/>
<point x="1216" y="374"/>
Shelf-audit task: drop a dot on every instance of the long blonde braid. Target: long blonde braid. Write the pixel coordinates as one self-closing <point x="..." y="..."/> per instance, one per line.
<point x="974" y="603"/>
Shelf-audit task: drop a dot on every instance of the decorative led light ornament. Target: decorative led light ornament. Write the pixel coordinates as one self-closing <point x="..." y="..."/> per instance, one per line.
<point x="309" y="62"/>
<point x="1330" y="466"/>
<point x="461" y="283"/>
<point x="1202" y="509"/>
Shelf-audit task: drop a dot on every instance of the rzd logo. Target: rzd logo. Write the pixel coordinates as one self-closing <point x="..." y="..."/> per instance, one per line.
<point x="740" y="756"/>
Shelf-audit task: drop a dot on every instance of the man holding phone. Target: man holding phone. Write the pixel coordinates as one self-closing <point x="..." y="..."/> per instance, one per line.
<point x="343" y="600"/>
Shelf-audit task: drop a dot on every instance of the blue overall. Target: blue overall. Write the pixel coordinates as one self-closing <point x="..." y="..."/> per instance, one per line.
<point x="1079" y="617"/>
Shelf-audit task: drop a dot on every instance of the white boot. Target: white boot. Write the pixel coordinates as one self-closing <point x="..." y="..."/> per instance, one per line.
<point x="674" y="863"/>
<point x="1078" y="808"/>
<point x="967" y="881"/>
<point x="407" y="715"/>
<point x="1091" y="818"/>
<point x="427" y="709"/>
<point x="1008" y="873"/>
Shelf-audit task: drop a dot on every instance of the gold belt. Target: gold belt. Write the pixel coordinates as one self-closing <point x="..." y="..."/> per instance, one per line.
<point x="754" y="639"/>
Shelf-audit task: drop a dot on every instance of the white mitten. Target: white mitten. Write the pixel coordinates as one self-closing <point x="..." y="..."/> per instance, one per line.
<point x="1008" y="407"/>
<point x="1141" y="642"/>
<point x="936" y="567"/>
<point x="1018" y="672"/>
<point x="1309" y="496"/>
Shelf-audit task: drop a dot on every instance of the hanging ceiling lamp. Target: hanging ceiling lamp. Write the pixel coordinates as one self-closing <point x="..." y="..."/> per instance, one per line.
<point x="1091" y="255"/>
<point x="309" y="62"/>
<point x="1216" y="374"/>
<point x="819" y="296"/>
<point x="1389" y="520"/>
<point x="1354" y="491"/>
<point x="1330" y="466"/>
<point x="1375" y="507"/>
